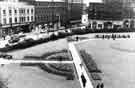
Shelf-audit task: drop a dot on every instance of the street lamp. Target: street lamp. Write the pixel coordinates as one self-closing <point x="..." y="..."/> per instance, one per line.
<point x="1" y="31"/>
<point x="59" y="20"/>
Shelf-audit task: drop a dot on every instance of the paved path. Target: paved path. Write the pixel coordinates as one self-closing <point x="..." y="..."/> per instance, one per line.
<point x="79" y="66"/>
<point x="3" y="61"/>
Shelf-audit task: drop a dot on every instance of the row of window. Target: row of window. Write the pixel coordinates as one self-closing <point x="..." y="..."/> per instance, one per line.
<point x="26" y="11"/>
<point x="46" y="18"/>
<point x="49" y="11"/>
<point x="21" y="19"/>
<point x="21" y="11"/>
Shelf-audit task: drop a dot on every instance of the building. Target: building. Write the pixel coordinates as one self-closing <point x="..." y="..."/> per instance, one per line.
<point x="128" y="12"/>
<point x="54" y="11"/>
<point x="49" y="12"/>
<point x="105" y="15"/>
<point x="15" y="14"/>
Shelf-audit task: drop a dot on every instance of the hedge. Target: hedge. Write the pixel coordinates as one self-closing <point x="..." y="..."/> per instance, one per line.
<point x="90" y="63"/>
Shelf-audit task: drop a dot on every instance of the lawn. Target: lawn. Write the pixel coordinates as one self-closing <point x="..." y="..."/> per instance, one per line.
<point x="41" y="49"/>
<point x="33" y="77"/>
<point x="115" y="59"/>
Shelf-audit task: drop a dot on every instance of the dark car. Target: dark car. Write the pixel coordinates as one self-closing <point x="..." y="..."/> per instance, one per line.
<point x="5" y="56"/>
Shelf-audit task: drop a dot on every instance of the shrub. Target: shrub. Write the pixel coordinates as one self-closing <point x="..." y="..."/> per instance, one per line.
<point x="78" y="31"/>
<point x="62" y="35"/>
<point x="53" y="37"/>
<point x="96" y="76"/>
<point x="62" y="67"/>
<point x="90" y="63"/>
<point x="69" y="76"/>
<point x="52" y="53"/>
<point x="59" y="57"/>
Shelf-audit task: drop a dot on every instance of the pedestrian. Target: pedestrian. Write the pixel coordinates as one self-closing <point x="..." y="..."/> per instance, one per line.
<point x="83" y="80"/>
<point x="77" y="38"/>
<point x="2" y="65"/>
<point x="98" y="86"/>
<point x="102" y="85"/>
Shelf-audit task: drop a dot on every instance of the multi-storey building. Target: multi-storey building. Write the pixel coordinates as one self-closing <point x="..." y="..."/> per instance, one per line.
<point x="105" y="15"/>
<point x="128" y="12"/>
<point x="53" y="11"/>
<point x="14" y="13"/>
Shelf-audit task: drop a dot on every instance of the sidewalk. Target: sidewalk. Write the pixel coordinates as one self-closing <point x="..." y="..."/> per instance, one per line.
<point x="80" y="67"/>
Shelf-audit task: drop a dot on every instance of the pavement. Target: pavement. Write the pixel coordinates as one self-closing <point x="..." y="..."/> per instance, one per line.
<point x="17" y="76"/>
<point x="115" y="59"/>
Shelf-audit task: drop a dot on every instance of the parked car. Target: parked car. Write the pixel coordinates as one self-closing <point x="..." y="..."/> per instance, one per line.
<point x="6" y="56"/>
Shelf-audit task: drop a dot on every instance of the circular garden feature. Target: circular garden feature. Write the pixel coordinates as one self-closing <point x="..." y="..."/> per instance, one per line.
<point x="65" y="70"/>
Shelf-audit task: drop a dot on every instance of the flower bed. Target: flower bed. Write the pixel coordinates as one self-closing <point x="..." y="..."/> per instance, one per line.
<point x="90" y="63"/>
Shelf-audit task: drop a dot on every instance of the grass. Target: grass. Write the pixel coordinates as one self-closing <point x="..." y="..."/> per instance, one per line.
<point x="61" y="55"/>
<point x="51" y="68"/>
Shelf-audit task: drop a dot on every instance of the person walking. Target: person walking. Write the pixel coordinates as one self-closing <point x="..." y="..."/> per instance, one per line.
<point x="98" y="86"/>
<point x="102" y="85"/>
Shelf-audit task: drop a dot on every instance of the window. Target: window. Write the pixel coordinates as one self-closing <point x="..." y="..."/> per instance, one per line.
<point x="10" y="20"/>
<point x="24" y="19"/>
<point x="4" y="12"/>
<point x="32" y="11"/>
<point x="20" y="19"/>
<point x="28" y="11"/>
<point x="31" y="18"/>
<point x="15" y="19"/>
<point x="15" y="11"/>
<point x="10" y="12"/>
<point x="24" y="11"/>
<point x="28" y="19"/>
<point x="4" y="21"/>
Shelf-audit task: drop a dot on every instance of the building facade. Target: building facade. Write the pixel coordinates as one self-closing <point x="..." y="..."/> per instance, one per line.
<point x="105" y="15"/>
<point x="14" y="14"/>
<point x="54" y="11"/>
<point x="128" y="12"/>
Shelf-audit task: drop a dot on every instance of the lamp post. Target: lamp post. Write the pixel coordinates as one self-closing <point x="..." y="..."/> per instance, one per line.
<point x="59" y="20"/>
<point x="1" y="31"/>
<point x="52" y="8"/>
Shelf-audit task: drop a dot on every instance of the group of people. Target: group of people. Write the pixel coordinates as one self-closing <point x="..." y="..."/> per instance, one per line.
<point x="112" y="36"/>
<point x="100" y="85"/>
